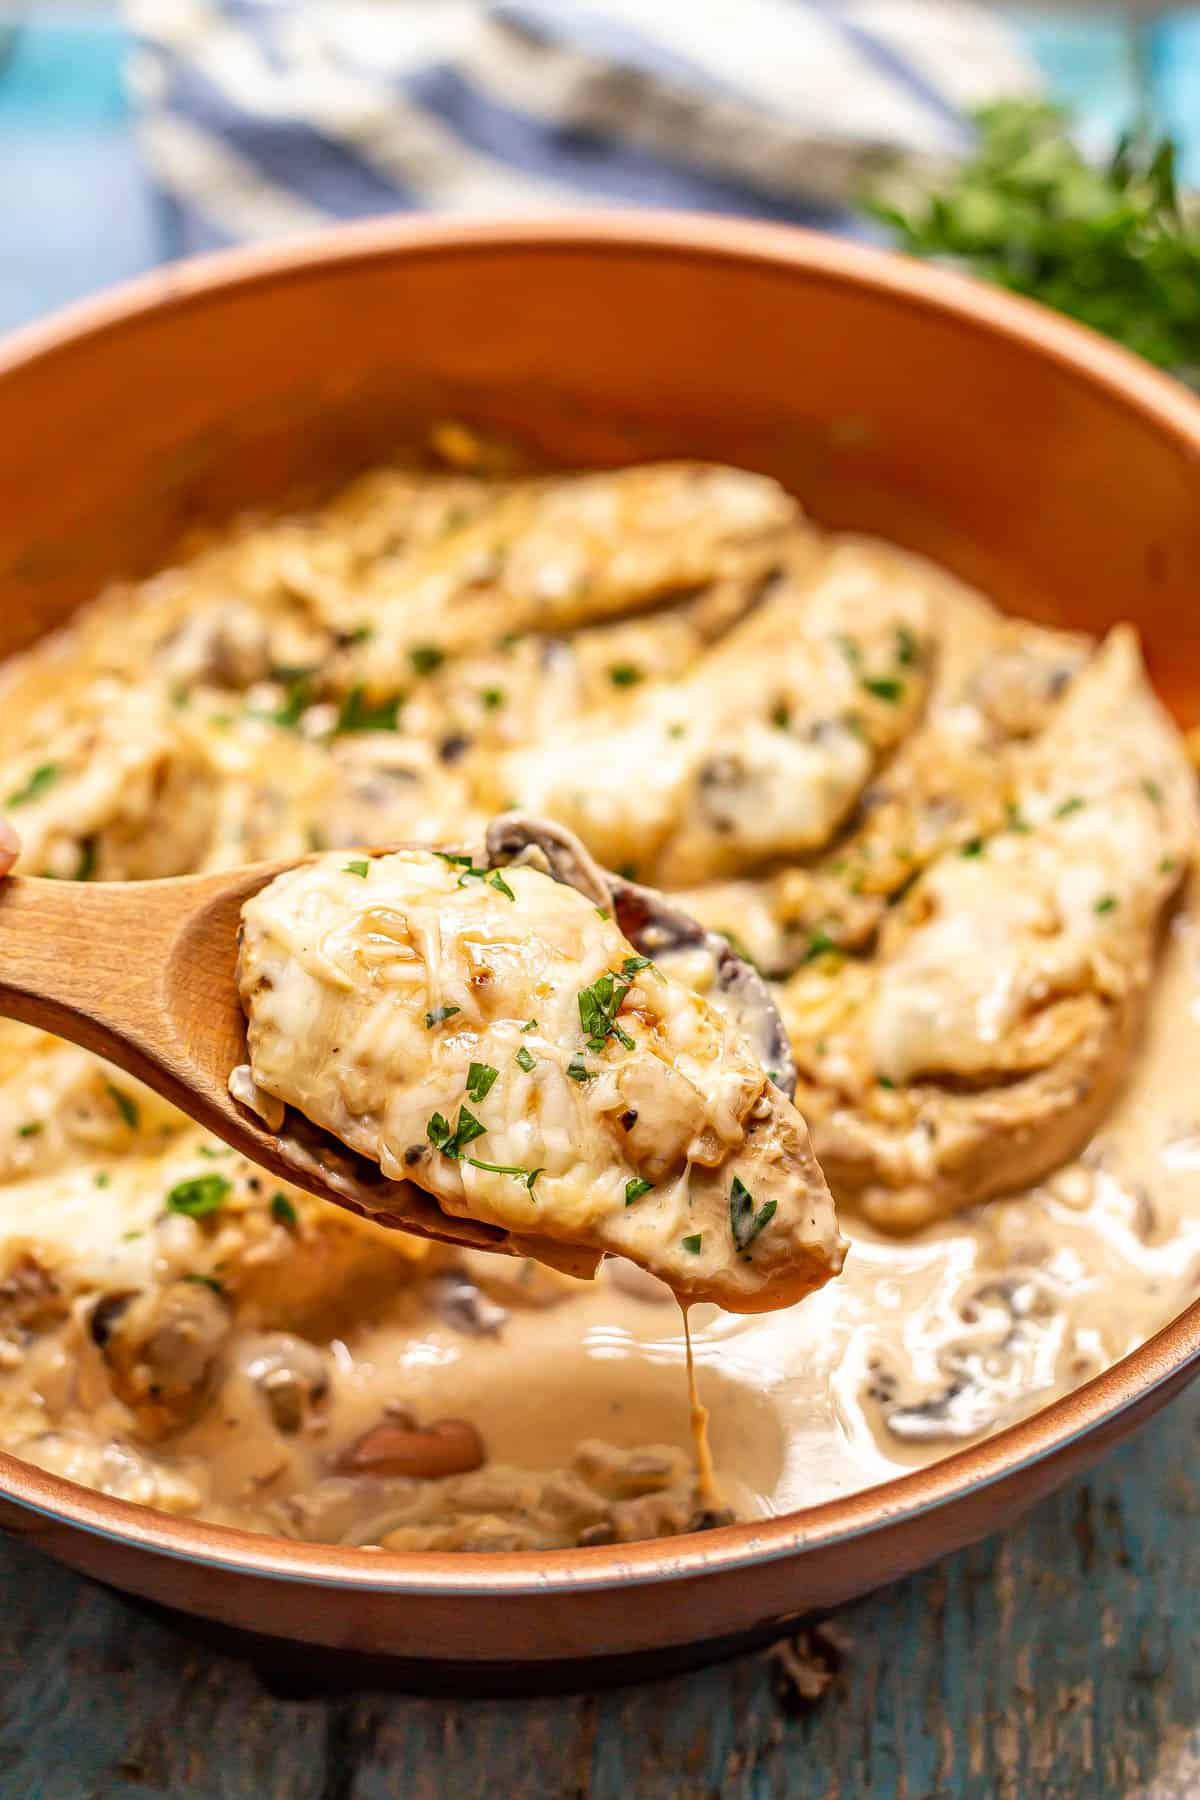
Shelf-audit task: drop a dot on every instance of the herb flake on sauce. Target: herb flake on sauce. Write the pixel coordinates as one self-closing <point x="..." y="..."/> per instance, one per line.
<point x="439" y="1015"/>
<point x="481" y="1078"/>
<point x="744" y="1222"/>
<point x="125" y="1104"/>
<point x="43" y="777"/>
<point x="200" y="1196"/>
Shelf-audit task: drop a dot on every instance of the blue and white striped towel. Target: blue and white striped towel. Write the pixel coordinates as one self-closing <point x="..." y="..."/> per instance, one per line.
<point x="265" y="117"/>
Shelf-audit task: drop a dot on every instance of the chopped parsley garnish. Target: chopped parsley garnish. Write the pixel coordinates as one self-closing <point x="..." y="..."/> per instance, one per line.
<point x="781" y="715"/>
<point x="214" y="1150"/>
<point x="676" y="731"/>
<point x="439" y="1015"/>
<point x="283" y="1212"/>
<point x="44" y="776"/>
<point x="1016" y="818"/>
<point x="492" y="698"/>
<point x="579" y="1071"/>
<point x="819" y="944"/>
<point x="600" y="1004"/>
<point x="525" y="1060"/>
<point x="32" y="1129"/>
<point x="125" y="1104"/>
<point x="315" y="838"/>
<point x="103" y="1179"/>
<point x="425" y="658"/>
<point x="907" y="648"/>
<point x="885" y="1081"/>
<point x="357" y="868"/>
<point x="635" y="1188"/>
<point x="1167" y="865"/>
<point x="208" y="1281"/>
<point x="744" y="1222"/>
<point x="850" y="650"/>
<point x="884" y="687"/>
<point x="602" y="912"/>
<point x="1107" y="903"/>
<point x="526" y="1176"/>
<point x="972" y="847"/>
<point x="453" y="1143"/>
<point x="1153" y="791"/>
<point x="358" y="714"/>
<point x="528" y="1026"/>
<point x="625" y="674"/>
<point x="692" y="1244"/>
<point x="481" y="1078"/>
<point x="297" y="697"/>
<point x="1068" y="807"/>
<point x="469" y="872"/>
<point x="200" y="1196"/>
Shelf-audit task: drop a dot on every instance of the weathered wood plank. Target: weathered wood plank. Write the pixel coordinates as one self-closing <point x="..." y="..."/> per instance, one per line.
<point x="1061" y="1660"/>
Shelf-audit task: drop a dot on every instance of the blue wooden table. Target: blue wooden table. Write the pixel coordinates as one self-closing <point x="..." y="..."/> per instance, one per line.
<point x="1062" y="1659"/>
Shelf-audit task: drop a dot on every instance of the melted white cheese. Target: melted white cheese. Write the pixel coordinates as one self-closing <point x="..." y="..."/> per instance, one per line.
<point x="392" y="999"/>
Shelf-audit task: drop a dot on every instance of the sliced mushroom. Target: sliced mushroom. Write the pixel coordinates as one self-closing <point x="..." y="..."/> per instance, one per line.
<point x="655" y="928"/>
<point x="292" y="1376"/>
<point x="424" y="1453"/>
<point x="462" y="1305"/>
<point x="30" y="1297"/>
<point x="161" y="1348"/>
<point x="985" y="1370"/>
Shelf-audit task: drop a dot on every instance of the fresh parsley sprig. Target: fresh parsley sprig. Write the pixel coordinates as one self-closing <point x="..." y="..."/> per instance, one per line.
<point x="1110" y="244"/>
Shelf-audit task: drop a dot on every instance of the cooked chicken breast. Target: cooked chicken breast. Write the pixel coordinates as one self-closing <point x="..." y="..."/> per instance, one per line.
<point x="995" y="684"/>
<point x="555" y="554"/>
<point x="765" y="748"/>
<point x="981" y="1044"/>
<point x="113" y="785"/>
<point x="494" y="1038"/>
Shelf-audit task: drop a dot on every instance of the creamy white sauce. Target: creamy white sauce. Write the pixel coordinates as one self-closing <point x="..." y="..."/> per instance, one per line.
<point x="577" y="1391"/>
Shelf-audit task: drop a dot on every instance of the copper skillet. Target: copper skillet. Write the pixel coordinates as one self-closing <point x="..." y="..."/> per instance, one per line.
<point x="1054" y="471"/>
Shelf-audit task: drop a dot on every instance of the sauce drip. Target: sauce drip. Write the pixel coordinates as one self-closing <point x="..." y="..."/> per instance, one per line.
<point x="706" y="1486"/>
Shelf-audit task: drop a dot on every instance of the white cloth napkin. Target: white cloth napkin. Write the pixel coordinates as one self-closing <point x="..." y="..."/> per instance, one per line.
<point x="264" y="117"/>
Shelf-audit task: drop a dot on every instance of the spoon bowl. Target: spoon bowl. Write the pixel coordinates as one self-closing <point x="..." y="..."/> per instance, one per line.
<point x="144" y="974"/>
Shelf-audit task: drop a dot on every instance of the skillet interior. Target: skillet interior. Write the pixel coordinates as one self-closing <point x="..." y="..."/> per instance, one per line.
<point x="1030" y="459"/>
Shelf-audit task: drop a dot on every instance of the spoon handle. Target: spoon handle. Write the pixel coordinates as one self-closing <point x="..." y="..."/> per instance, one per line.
<point x="73" y="961"/>
<point x="107" y="966"/>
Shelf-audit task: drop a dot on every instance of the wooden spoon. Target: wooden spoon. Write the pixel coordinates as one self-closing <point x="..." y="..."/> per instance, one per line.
<point x="142" y="973"/>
